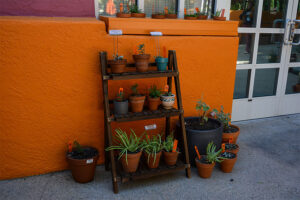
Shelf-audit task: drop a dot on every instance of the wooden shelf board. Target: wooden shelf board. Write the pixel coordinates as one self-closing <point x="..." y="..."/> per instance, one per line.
<point x="139" y="75"/>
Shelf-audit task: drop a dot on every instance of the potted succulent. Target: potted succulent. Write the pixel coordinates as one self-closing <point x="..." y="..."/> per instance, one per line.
<point x="130" y="149"/>
<point x="161" y="62"/>
<point x="154" y="98"/>
<point x="152" y="150"/>
<point x="297" y="86"/>
<point x="141" y="59"/>
<point x="123" y="13"/>
<point x="206" y="163"/>
<point x="230" y="130"/>
<point x="136" y="12"/>
<point x="120" y="104"/>
<point x="117" y="65"/>
<point x="170" y="13"/>
<point x="201" y="15"/>
<point x="228" y="162"/>
<point x="167" y="98"/>
<point x="82" y="162"/>
<point x="219" y="15"/>
<point x="170" y="150"/>
<point x="136" y="99"/>
<point x="233" y="148"/>
<point x="189" y="16"/>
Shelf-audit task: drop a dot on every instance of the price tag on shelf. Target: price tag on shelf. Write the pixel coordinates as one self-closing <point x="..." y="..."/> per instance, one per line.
<point x="156" y="33"/>
<point x="150" y="127"/>
<point x="115" y="32"/>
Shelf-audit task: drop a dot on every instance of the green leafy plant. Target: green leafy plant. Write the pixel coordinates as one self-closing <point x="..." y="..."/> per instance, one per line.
<point x="152" y="145"/>
<point x="135" y="9"/>
<point x="154" y="92"/>
<point x="77" y="147"/>
<point x="217" y="13"/>
<point x="134" y="89"/>
<point x="202" y="109"/>
<point x="120" y="95"/>
<point x="223" y="117"/>
<point x="212" y="155"/>
<point x="169" y="143"/>
<point x="141" y="49"/>
<point x="191" y="15"/>
<point x="126" y="144"/>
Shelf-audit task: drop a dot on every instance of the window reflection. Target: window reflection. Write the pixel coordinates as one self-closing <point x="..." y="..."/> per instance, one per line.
<point x="293" y="81"/>
<point x="246" y="43"/>
<point x="274" y="13"/>
<point x="265" y="82"/>
<point x="242" y="81"/>
<point x="111" y="7"/>
<point x="244" y="11"/>
<point x="269" y="48"/>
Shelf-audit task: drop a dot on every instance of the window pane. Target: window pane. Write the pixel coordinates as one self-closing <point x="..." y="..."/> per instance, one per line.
<point x="265" y="82"/>
<point x="274" y="13"/>
<point x="203" y="5"/>
<point x="295" y="54"/>
<point x="242" y="80"/>
<point x="111" y="7"/>
<point x="157" y="6"/>
<point x="244" y="11"/>
<point x="293" y="81"/>
<point x="245" y="51"/>
<point x="269" y="48"/>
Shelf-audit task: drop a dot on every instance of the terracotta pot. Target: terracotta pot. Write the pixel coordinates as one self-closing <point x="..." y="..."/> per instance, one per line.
<point x="171" y="16"/>
<point x="157" y="16"/>
<point x="138" y="15"/>
<point x="137" y="103"/>
<point x="83" y="170"/>
<point x="203" y="17"/>
<point x="235" y="151"/>
<point x="228" y="164"/>
<point x="167" y="101"/>
<point x="132" y="163"/>
<point x="124" y="15"/>
<point x="141" y="62"/>
<point x="296" y="88"/>
<point x="117" y="66"/>
<point x="170" y="158"/>
<point x="204" y="170"/>
<point x="150" y="162"/>
<point x="153" y="103"/>
<point x="190" y="18"/>
<point x="234" y="136"/>
<point x="220" y="18"/>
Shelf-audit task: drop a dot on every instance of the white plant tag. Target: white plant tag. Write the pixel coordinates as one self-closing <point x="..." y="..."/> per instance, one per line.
<point x="156" y="33"/>
<point x="89" y="161"/>
<point x="150" y="127"/>
<point x="115" y="32"/>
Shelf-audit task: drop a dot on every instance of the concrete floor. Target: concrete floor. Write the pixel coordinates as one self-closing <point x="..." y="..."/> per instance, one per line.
<point x="267" y="168"/>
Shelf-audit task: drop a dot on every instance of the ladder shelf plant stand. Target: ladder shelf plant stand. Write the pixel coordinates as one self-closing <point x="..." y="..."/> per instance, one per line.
<point x="111" y="162"/>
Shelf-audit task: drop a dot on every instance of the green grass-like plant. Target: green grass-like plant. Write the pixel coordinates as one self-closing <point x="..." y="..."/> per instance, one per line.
<point x="154" y="92"/>
<point x="169" y="143"/>
<point x="152" y="145"/>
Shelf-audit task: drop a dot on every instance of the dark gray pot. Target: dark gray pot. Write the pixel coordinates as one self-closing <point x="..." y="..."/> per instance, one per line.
<point x="120" y="107"/>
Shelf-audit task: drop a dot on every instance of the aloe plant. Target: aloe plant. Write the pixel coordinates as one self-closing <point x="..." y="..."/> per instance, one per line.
<point x="212" y="155"/>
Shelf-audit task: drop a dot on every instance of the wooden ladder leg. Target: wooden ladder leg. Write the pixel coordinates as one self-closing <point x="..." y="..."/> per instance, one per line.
<point x="181" y="117"/>
<point x="107" y="156"/>
<point x="169" y="82"/>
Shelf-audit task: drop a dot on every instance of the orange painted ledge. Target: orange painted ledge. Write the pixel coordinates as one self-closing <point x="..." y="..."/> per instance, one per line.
<point x="137" y="26"/>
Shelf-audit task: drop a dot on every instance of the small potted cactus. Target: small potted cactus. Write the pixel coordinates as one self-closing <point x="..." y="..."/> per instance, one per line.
<point x="233" y="148"/>
<point x="136" y="99"/>
<point x="167" y="98"/>
<point x="117" y="65"/>
<point x="154" y="98"/>
<point x="170" y="152"/>
<point x="153" y="147"/>
<point x="228" y="162"/>
<point x="136" y="12"/>
<point x="120" y="103"/>
<point x="141" y="59"/>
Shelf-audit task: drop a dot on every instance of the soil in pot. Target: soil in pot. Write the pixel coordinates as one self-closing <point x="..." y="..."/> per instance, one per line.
<point x="137" y="103"/>
<point x="138" y="15"/>
<point x="232" y="132"/>
<point x="228" y="164"/>
<point x="220" y="18"/>
<point x="158" y="16"/>
<point x="117" y="66"/>
<point x="204" y="168"/>
<point x="141" y="62"/>
<point x="167" y="101"/>
<point x="232" y="148"/>
<point x="153" y="103"/>
<point x="152" y="161"/>
<point x="124" y="15"/>
<point x="83" y="164"/>
<point x="171" y="16"/>
<point x="161" y="63"/>
<point x="132" y="163"/>
<point x="202" y="17"/>
<point x="120" y="107"/>
<point x="170" y="158"/>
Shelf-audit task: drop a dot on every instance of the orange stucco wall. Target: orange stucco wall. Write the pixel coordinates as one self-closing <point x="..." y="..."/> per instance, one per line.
<point x="50" y="91"/>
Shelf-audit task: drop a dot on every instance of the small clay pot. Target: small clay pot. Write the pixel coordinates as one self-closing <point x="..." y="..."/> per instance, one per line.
<point x="171" y="16"/>
<point x="296" y="88"/>
<point x="229" y="148"/>
<point x="117" y="66"/>
<point x="153" y="103"/>
<point x="167" y="101"/>
<point x="170" y="158"/>
<point x="220" y="18"/>
<point x="124" y="15"/>
<point x="151" y="162"/>
<point x="190" y="18"/>
<point x="204" y="169"/>
<point x="132" y="163"/>
<point x="137" y="103"/>
<point x="120" y="107"/>
<point x="138" y="15"/>
<point x="234" y="136"/>
<point x="157" y="16"/>
<point x="141" y="62"/>
<point x="202" y="17"/>
<point x="228" y="164"/>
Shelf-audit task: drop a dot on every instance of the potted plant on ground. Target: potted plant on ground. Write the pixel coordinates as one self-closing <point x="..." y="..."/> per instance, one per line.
<point x="154" y="98"/>
<point x="136" y="99"/>
<point x="228" y="162"/>
<point x="152" y="150"/>
<point x="297" y="86"/>
<point x="120" y="104"/>
<point x="82" y="162"/>
<point x="189" y="16"/>
<point x="219" y="15"/>
<point x="167" y="98"/>
<point x="230" y="130"/>
<point x="130" y="149"/>
<point x="136" y="12"/>
<point x="123" y="13"/>
<point x="233" y="148"/>
<point x="206" y="163"/>
<point x="170" y="150"/>
<point x="141" y="59"/>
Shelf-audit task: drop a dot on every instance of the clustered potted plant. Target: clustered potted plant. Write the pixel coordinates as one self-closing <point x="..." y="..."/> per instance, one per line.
<point x="120" y="103"/>
<point x="141" y="59"/>
<point x="82" y="161"/>
<point x="228" y="163"/>
<point x="154" y="98"/>
<point x="167" y="98"/>
<point x="136" y="99"/>
<point x="170" y="150"/>
<point x="232" y="148"/>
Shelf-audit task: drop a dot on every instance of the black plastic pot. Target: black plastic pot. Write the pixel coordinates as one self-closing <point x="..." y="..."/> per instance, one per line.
<point x="120" y="107"/>
<point x="200" y="138"/>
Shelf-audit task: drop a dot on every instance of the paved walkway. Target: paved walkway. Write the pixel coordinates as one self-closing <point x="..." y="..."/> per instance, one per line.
<point x="268" y="167"/>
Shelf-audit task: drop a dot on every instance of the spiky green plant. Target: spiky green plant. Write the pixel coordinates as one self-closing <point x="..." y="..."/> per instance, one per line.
<point x="217" y="13"/>
<point x="152" y="145"/>
<point x="169" y="143"/>
<point x="212" y="155"/>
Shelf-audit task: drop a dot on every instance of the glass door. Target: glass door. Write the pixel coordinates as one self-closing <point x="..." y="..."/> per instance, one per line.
<point x="263" y="64"/>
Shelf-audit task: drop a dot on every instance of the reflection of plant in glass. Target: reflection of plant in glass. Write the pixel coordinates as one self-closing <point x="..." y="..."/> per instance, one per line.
<point x="135" y="9"/>
<point x="217" y="13"/>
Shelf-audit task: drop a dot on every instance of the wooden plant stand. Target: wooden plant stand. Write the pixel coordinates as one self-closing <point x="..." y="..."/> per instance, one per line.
<point x="111" y="162"/>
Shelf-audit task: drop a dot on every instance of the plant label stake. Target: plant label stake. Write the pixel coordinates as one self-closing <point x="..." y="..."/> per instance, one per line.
<point x="223" y="147"/>
<point x="156" y="37"/>
<point x="115" y="34"/>
<point x="223" y="12"/>
<point x="150" y="127"/>
<point x="198" y="154"/>
<point x="175" y="145"/>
